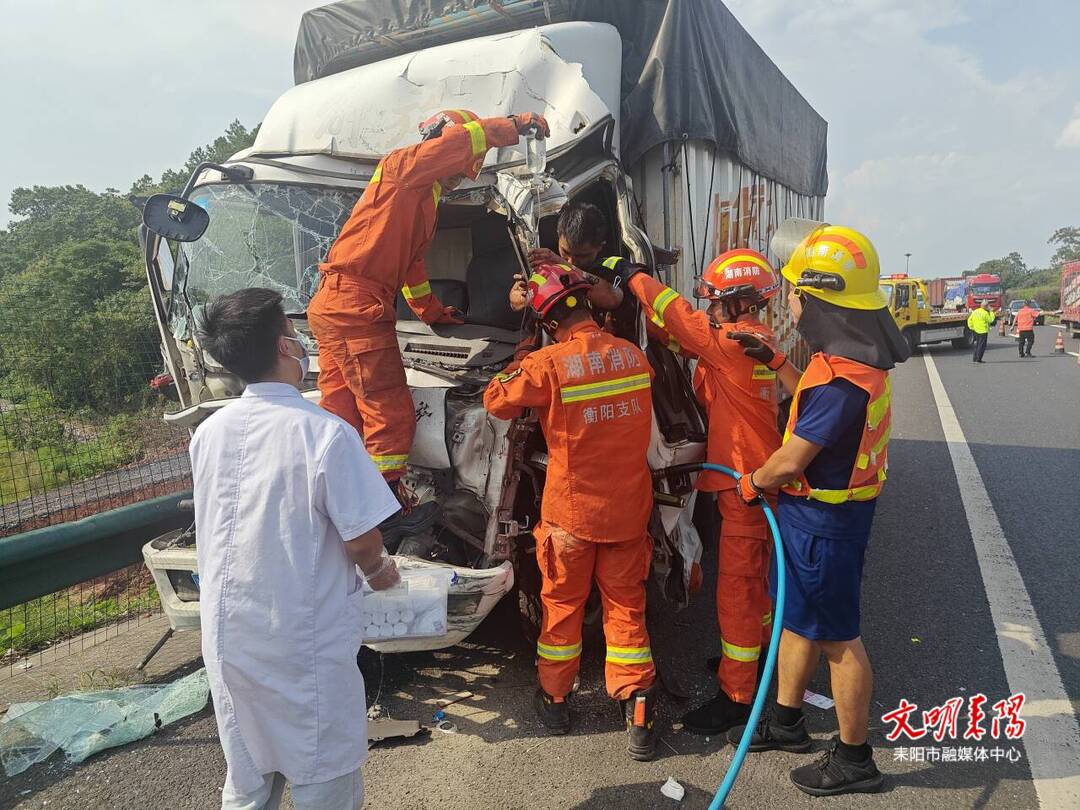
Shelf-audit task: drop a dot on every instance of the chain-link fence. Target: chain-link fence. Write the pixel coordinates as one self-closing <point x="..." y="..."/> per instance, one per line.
<point x="81" y="432"/>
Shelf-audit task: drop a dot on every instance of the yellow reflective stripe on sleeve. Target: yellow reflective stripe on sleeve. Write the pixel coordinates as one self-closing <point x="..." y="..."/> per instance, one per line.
<point x="553" y="652"/>
<point x="465" y="116"/>
<point x="611" y="261"/>
<point x="767" y="618"/>
<point x="875" y="411"/>
<point x="620" y="385"/>
<point x="538" y="279"/>
<point x="419" y="291"/>
<point x="506" y="376"/>
<point x="376" y="175"/>
<point x="737" y="653"/>
<point x="629" y="655"/>
<point x="674" y="345"/>
<point x="436" y="192"/>
<point x="387" y="463"/>
<point x="660" y="304"/>
<point x="763" y="372"/>
<point x="477" y="138"/>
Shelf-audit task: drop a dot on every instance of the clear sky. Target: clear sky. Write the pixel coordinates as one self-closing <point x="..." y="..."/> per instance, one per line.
<point x="954" y="125"/>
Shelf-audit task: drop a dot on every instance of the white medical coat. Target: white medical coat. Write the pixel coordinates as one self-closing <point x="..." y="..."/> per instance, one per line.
<point x="279" y="485"/>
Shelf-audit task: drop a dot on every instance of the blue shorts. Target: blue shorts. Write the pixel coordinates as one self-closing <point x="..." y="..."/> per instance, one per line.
<point x="824" y="576"/>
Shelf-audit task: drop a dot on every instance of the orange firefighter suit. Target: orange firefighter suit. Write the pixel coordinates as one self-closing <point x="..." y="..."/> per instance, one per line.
<point x="379" y="251"/>
<point x="740" y="396"/>
<point x="592" y="395"/>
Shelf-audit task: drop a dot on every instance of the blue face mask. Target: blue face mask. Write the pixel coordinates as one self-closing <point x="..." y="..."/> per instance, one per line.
<point x="303" y="360"/>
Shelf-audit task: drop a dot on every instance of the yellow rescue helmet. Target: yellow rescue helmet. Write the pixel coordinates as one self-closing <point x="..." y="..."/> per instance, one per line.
<point x="838" y="265"/>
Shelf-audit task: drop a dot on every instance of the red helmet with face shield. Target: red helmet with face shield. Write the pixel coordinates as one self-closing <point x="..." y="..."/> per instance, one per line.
<point x="736" y="274"/>
<point x="550" y="284"/>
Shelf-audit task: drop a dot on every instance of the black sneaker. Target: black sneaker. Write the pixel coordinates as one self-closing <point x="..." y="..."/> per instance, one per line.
<point x="554" y="715"/>
<point x="716" y="716"/>
<point x="833" y="775"/>
<point x="773" y="736"/>
<point x="640" y="733"/>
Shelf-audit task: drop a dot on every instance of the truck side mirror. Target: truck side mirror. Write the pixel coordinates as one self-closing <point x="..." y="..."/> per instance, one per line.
<point x="175" y="218"/>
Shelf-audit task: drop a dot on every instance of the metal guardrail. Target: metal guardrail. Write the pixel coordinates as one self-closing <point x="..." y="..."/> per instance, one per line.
<point x="43" y="561"/>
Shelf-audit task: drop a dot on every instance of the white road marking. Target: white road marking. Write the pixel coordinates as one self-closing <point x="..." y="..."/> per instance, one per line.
<point x="1052" y="739"/>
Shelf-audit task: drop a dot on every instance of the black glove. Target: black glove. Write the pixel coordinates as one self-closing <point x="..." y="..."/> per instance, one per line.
<point x="755" y="347"/>
<point x="622" y="271"/>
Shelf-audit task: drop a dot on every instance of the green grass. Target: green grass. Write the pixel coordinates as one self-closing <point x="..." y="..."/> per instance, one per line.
<point x="36" y="624"/>
<point x="32" y="462"/>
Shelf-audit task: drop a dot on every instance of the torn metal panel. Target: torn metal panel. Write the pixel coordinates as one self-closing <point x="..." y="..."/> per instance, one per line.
<point x="367" y="111"/>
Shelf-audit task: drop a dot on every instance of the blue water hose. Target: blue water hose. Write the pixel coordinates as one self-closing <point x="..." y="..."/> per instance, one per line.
<point x="774" y="642"/>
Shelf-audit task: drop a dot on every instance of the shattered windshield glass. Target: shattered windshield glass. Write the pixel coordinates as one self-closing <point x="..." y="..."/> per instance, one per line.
<point x="263" y="235"/>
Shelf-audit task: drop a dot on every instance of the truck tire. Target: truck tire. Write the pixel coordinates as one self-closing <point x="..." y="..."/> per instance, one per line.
<point x="962" y="342"/>
<point x="913" y="337"/>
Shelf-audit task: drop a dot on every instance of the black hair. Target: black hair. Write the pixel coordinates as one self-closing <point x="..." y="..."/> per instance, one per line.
<point x="240" y="330"/>
<point x="583" y="224"/>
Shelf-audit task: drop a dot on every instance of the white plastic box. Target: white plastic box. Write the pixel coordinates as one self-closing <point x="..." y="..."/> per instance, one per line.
<point x="414" y="608"/>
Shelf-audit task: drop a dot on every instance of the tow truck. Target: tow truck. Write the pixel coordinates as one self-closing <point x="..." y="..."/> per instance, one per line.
<point x="919" y="323"/>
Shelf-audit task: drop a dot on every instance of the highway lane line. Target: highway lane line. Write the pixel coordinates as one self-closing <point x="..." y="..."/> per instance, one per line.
<point x="1052" y="738"/>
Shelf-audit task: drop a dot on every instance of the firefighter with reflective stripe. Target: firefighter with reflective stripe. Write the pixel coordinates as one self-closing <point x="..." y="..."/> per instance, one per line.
<point x="591" y="392"/>
<point x="829" y="470"/>
<point x="740" y="394"/>
<point x="379" y="251"/>
<point x="583" y="233"/>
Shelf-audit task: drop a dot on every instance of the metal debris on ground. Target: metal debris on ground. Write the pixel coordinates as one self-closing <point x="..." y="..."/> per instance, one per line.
<point x="814" y="699"/>
<point x="446" y="727"/>
<point x="84" y="724"/>
<point x="385" y="729"/>
<point x="672" y="789"/>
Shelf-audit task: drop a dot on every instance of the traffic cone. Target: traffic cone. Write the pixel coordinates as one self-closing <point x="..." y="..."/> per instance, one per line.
<point x="1059" y="343"/>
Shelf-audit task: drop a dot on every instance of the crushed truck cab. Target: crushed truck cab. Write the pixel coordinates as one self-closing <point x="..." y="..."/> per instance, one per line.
<point x="276" y="208"/>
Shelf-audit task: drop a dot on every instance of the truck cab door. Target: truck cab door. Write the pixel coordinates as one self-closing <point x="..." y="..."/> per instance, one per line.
<point x="902" y="305"/>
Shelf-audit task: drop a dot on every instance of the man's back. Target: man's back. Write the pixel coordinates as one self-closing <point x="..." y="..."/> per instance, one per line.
<point x="1025" y="319"/>
<point x="279" y="484"/>
<point x="592" y="395"/>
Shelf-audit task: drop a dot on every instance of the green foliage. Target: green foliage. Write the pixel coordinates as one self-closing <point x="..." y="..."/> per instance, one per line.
<point x="1011" y="269"/>
<point x="236" y="138"/>
<point x="1048" y="295"/>
<point x="65" y="614"/>
<point x="1067" y="242"/>
<point x="78" y="340"/>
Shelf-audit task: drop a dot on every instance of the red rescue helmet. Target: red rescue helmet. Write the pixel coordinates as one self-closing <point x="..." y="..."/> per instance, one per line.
<point x="433" y="127"/>
<point x="550" y="284"/>
<point x="738" y="273"/>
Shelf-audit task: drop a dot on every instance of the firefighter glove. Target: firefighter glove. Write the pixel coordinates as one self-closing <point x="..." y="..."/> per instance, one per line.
<point x="749" y="493"/>
<point x="755" y="347"/>
<point x="531" y="121"/>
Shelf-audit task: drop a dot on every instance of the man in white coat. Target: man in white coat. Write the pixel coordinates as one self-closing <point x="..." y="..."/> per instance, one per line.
<point x="286" y="502"/>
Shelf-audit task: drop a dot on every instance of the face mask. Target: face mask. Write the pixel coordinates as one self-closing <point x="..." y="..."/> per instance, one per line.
<point x="304" y="360"/>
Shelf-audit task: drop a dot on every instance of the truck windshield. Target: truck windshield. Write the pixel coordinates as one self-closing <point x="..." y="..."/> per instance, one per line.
<point x="263" y="235"/>
<point x="985" y="289"/>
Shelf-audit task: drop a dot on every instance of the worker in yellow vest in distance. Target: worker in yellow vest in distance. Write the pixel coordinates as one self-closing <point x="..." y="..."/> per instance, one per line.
<point x="979" y="322"/>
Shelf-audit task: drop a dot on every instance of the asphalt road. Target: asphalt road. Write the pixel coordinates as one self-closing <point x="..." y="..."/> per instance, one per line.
<point x="926" y="621"/>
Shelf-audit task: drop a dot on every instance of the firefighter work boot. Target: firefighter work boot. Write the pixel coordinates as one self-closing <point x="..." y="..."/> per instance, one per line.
<point x="640" y="734"/>
<point x="772" y="735"/>
<point x="554" y="713"/>
<point x="835" y="774"/>
<point x="716" y="716"/>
